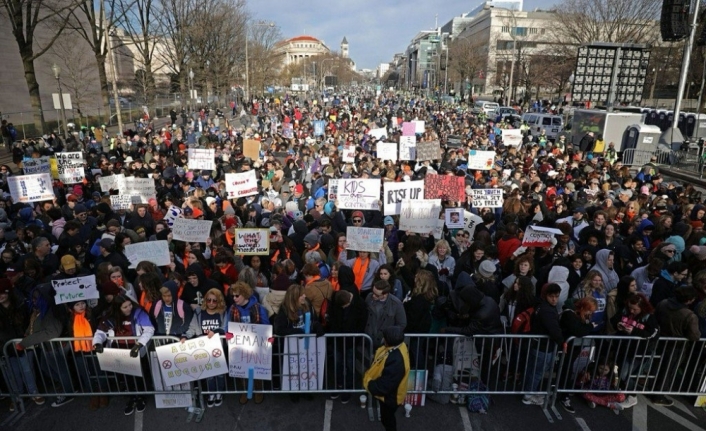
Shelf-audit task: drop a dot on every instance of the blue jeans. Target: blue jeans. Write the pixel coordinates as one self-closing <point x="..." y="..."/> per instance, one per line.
<point x="538" y="362"/>
<point x="344" y="361"/>
<point x="22" y="376"/>
<point x="52" y="362"/>
<point x="216" y="384"/>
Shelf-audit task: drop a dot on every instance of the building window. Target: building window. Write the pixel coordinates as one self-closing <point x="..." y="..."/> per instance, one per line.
<point x="504" y="45"/>
<point x="542" y="30"/>
<point x="533" y="30"/>
<point x="520" y="31"/>
<point x="505" y="29"/>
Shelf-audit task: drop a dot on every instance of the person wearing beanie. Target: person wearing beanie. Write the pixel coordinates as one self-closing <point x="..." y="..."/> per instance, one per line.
<point x="281" y="282"/>
<point x="698" y="251"/>
<point x="312" y="245"/>
<point x="357" y="219"/>
<point x="88" y="223"/>
<point x="679" y="235"/>
<point x="386" y="379"/>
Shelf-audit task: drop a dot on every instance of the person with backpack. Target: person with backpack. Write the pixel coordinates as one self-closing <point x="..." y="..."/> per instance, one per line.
<point x="317" y="290"/>
<point x="540" y="357"/>
<point x="246" y="309"/>
<point x="171" y="315"/>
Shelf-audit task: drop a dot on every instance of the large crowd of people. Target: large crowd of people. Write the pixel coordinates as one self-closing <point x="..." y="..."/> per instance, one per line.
<point x="629" y="260"/>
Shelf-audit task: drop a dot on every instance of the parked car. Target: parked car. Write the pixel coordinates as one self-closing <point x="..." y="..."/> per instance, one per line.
<point x="123" y="102"/>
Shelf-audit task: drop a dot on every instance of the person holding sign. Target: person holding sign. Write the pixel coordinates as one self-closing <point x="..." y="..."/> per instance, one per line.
<point x="246" y="309"/>
<point x="363" y="267"/>
<point x="125" y="318"/>
<point x="210" y="319"/>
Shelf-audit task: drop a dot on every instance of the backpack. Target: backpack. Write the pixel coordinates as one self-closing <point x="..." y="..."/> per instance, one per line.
<point x="522" y="323"/>
<point x="324" y="311"/>
<point x="475" y="402"/>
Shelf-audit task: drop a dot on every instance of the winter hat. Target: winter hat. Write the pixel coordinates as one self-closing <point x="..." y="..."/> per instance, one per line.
<point x="230" y="222"/>
<point x="106" y="243"/>
<point x="698" y="251"/>
<point x="210" y="200"/>
<point x="26" y="214"/>
<point x="299" y="188"/>
<point x="79" y="209"/>
<point x="312" y="238"/>
<point x="328" y="208"/>
<point x="102" y="208"/>
<point x="357" y="214"/>
<point x="487" y="269"/>
<point x="110" y="288"/>
<point x="312" y="256"/>
<point x="644" y="190"/>
<point x="388" y="221"/>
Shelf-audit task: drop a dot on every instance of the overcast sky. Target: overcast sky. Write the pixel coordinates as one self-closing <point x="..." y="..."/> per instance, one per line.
<point x="375" y="29"/>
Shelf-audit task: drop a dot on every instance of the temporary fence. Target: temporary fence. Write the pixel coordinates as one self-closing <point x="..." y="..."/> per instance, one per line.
<point x="444" y="367"/>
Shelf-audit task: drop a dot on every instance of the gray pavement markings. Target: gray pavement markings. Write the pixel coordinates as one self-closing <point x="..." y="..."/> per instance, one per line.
<point x="138" y="420"/>
<point x="582" y="423"/>
<point x="465" y="419"/>
<point x="327" y="415"/>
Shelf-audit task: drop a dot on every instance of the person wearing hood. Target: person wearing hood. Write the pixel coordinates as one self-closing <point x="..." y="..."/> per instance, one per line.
<point x="384" y="310"/>
<point x="26" y="216"/>
<point x="172" y="315"/>
<point x="559" y="275"/>
<point x="680" y="233"/>
<point x="197" y="285"/>
<point x="470" y="311"/>
<point x="605" y="260"/>
<point x="670" y="278"/>
<point x="140" y="217"/>
<point x="57" y="221"/>
<point x="273" y="300"/>
<point x="301" y="230"/>
<point x="644" y="230"/>
<point x="204" y="180"/>
<point x="386" y="379"/>
<point x="316" y="288"/>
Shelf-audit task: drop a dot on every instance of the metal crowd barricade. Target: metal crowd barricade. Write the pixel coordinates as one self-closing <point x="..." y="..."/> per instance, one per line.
<point x="53" y="369"/>
<point x="635" y="157"/>
<point x="483" y="364"/>
<point x="666" y="366"/>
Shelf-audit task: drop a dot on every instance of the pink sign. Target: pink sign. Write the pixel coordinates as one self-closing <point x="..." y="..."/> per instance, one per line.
<point x="407" y="129"/>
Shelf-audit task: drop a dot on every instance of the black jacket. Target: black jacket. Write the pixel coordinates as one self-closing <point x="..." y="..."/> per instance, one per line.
<point x="386" y="385"/>
<point x="545" y="321"/>
<point x="470" y="312"/>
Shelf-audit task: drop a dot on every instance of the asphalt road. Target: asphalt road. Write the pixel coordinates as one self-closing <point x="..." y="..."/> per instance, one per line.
<point x="278" y="413"/>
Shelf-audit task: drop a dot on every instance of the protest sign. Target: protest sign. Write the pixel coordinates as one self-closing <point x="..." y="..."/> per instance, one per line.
<point x="202" y="159"/>
<point x="454" y="218"/>
<point x="252" y="241"/>
<point x="75" y="289"/>
<point x="112" y="182"/>
<point x="177" y="396"/>
<point x="172" y="214"/>
<point x="36" y="166"/>
<point x="387" y="151"/>
<point x="428" y="151"/>
<point x="487" y="198"/>
<point x="470" y="221"/>
<point x="512" y="137"/>
<point x="481" y="160"/>
<point x="122" y="202"/>
<point x="142" y="187"/>
<point x="395" y="193"/>
<point x="408" y="148"/>
<point x="192" y="360"/>
<point x="444" y="187"/>
<point x="537" y="236"/>
<point x="416" y="382"/>
<point x="156" y="252"/>
<point x="378" y="133"/>
<point x="325" y="161"/>
<point x="319" y="127"/>
<point x="365" y="238"/>
<point x="303" y="369"/>
<point x="358" y="194"/>
<point x="191" y="230"/>
<point x="69" y="167"/>
<point x="332" y="190"/>
<point x="241" y="184"/>
<point x="408" y="129"/>
<point x="348" y="155"/>
<point x="250" y="347"/>
<point x="418" y="126"/>
<point x="438" y="231"/>
<point x="119" y="361"/>
<point x="31" y="188"/>
<point x="251" y="148"/>
<point x="420" y="216"/>
<point x="288" y="130"/>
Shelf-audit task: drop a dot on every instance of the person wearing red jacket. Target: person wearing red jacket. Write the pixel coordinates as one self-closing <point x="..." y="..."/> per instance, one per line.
<point x="508" y="244"/>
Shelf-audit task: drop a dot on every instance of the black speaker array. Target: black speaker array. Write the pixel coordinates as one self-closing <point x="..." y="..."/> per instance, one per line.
<point x="674" y="24"/>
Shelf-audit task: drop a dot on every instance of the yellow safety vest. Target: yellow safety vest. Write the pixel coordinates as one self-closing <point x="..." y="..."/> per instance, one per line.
<point x="375" y="370"/>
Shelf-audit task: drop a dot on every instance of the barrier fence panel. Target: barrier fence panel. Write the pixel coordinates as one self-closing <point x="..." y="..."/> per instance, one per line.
<point x="615" y="367"/>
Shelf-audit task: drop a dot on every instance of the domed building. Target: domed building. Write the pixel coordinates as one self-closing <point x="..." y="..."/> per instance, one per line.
<point x="297" y="48"/>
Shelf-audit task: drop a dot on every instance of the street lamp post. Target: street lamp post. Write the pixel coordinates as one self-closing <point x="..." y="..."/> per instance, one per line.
<point x="191" y="89"/>
<point x="114" y="72"/>
<point x="57" y="73"/>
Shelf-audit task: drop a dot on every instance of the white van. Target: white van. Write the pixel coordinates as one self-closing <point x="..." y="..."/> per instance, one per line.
<point x="551" y="124"/>
<point x="485" y="106"/>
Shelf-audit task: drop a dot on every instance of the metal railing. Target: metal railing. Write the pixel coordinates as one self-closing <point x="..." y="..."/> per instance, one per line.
<point x="446" y="368"/>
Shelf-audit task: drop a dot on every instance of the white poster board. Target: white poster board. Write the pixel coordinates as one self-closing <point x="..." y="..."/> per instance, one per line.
<point x="395" y="193"/>
<point x="250" y="347"/>
<point x="189" y="230"/>
<point x="408" y="148"/>
<point x="303" y="369"/>
<point x="202" y="159"/>
<point x="119" y="361"/>
<point x="365" y="238"/>
<point x="36" y="166"/>
<point x="241" y="184"/>
<point x="378" y="133"/>
<point x="69" y="167"/>
<point x="112" y="182"/>
<point x="537" y="236"/>
<point x="31" y="188"/>
<point x="142" y="187"/>
<point x="252" y="242"/>
<point x="168" y="400"/>
<point x="470" y="222"/>
<point x="387" y="151"/>
<point x="481" y="160"/>
<point x="191" y="360"/>
<point x="156" y="252"/>
<point x="348" y="155"/>
<point x="122" y="202"/>
<point x="75" y="289"/>
<point x="420" y="216"/>
<point x="358" y="194"/>
<point x="487" y="198"/>
<point x="418" y="126"/>
<point x="453" y="218"/>
<point x="512" y="137"/>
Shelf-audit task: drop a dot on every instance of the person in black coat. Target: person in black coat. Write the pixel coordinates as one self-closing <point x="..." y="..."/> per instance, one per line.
<point x="348" y="315"/>
<point x="587" y="142"/>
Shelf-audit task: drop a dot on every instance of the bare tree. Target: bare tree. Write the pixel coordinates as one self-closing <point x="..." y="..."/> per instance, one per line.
<point x="26" y="17"/>
<point x="263" y="63"/>
<point x="466" y="61"/>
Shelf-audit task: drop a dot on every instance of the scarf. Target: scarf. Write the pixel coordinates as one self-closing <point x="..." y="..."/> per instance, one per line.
<point x="360" y="267"/>
<point x="144" y="302"/>
<point x="313" y="279"/>
<point x="82" y="329"/>
<point x="230" y="238"/>
<point x="335" y="286"/>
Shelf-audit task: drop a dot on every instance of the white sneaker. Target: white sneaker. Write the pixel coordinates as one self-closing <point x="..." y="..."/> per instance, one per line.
<point x="533" y="400"/>
<point x="616" y="407"/>
<point x="630" y="401"/>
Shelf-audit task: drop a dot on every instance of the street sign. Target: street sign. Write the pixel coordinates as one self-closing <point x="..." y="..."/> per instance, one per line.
<point x="57" y="103"/>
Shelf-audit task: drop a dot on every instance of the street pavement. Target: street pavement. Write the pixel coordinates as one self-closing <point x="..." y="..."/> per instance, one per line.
<point x="278" y="413"/>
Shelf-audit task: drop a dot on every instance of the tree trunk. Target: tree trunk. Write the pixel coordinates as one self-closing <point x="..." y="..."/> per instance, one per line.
<point x="33" y="88"/>
<point x="105" y="86"/>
